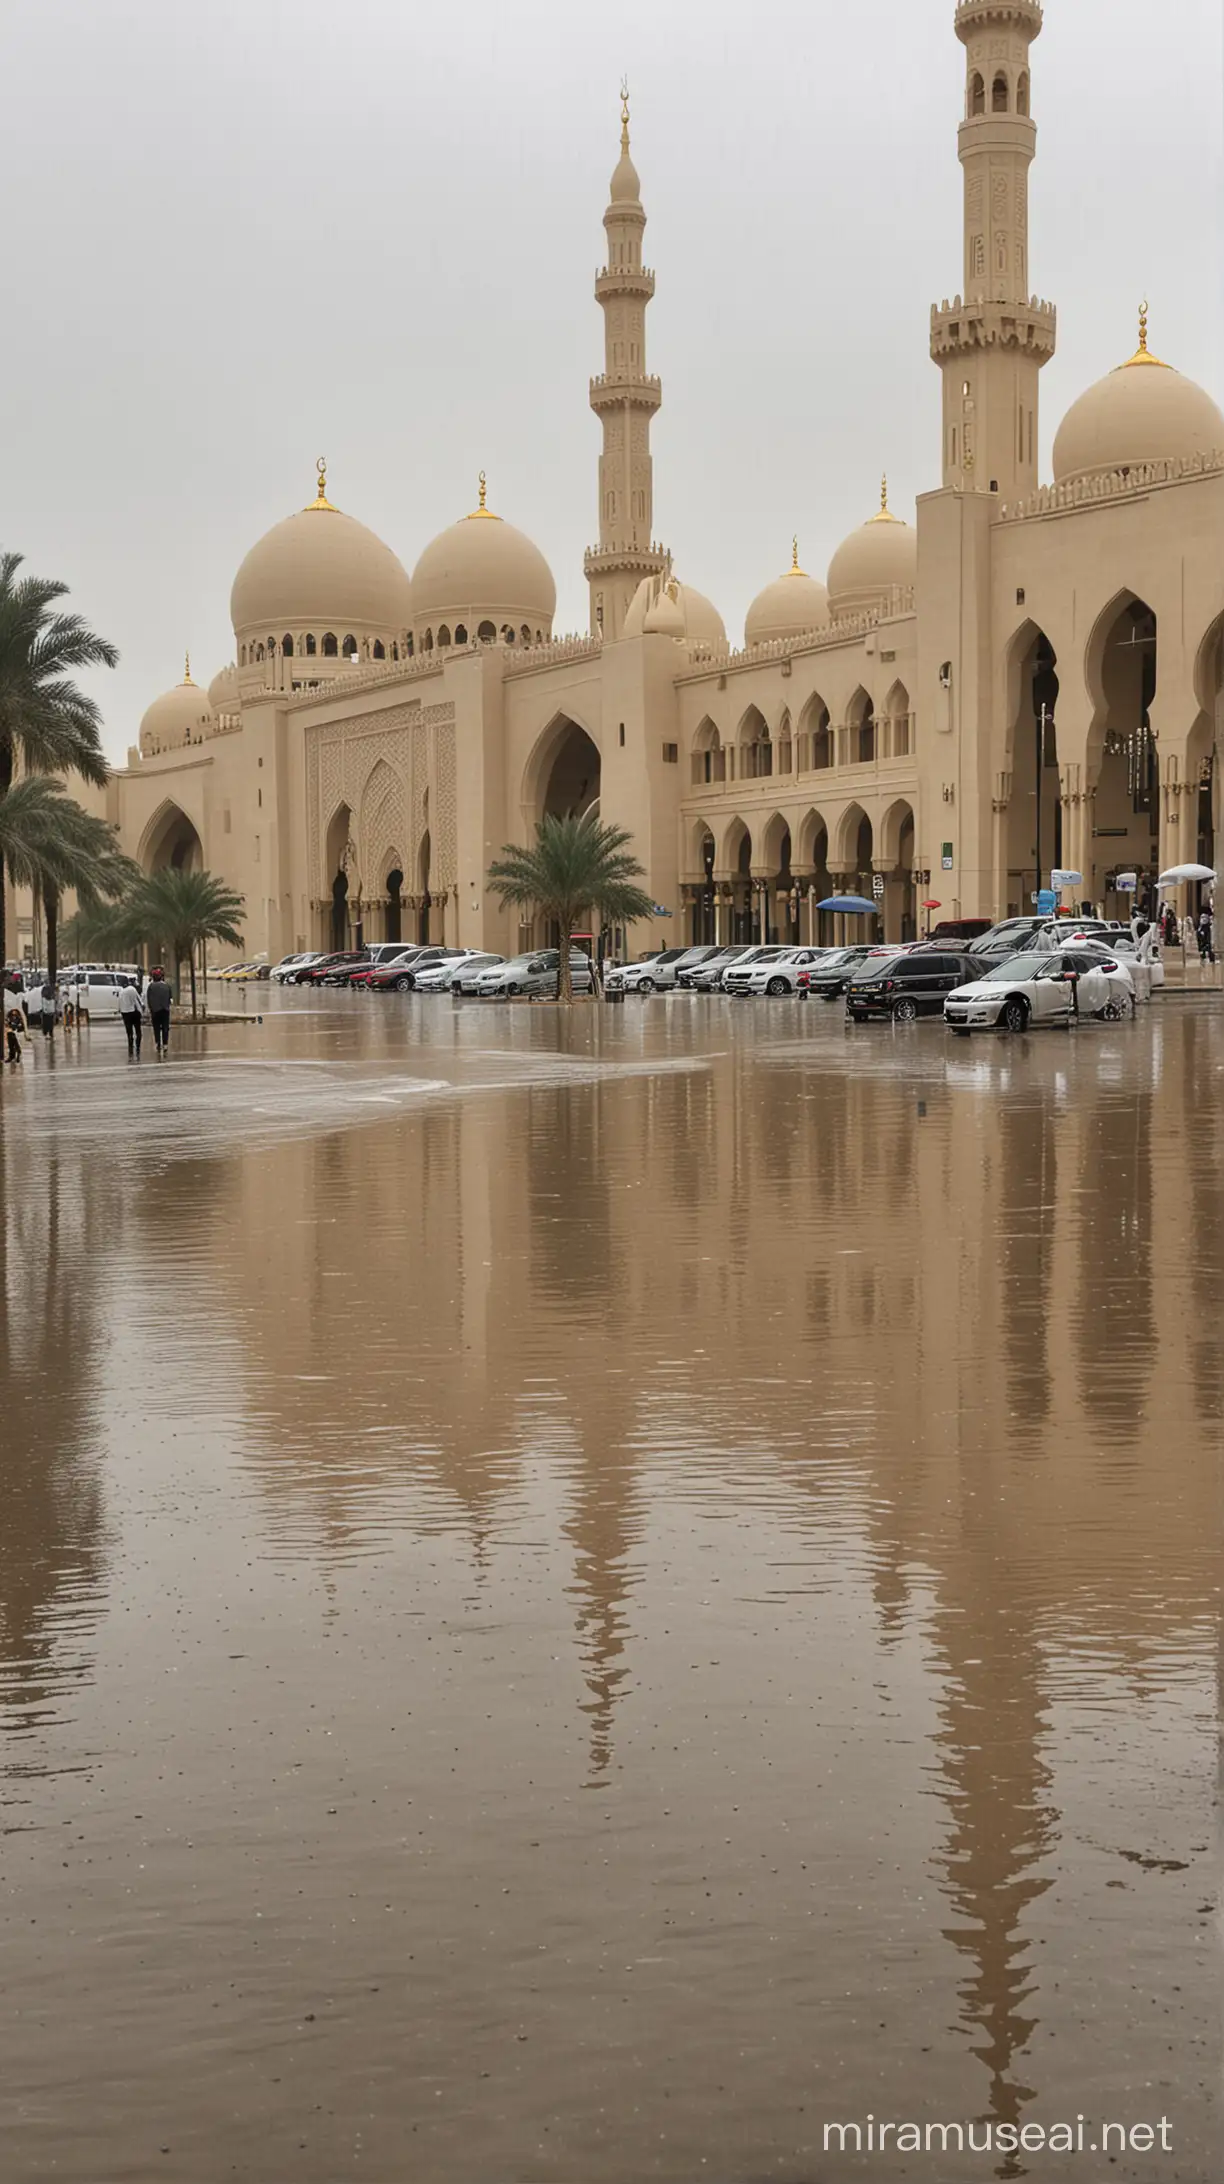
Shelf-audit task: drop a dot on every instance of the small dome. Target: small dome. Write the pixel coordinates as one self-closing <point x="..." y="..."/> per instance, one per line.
<point x="880" y="557"/>
<point x="626" y="187"/>
<point x="789" y="607"/>
<point x="323" y="570"/>
<point x="702" y="623"/>
<point x="223" y="690"/>
<point x="179" y="716"/>
<point x="1143" y="412"/>
<point x="483" y="569"/>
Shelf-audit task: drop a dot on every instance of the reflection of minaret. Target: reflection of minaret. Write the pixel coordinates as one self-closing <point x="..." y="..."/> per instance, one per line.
<point x="996" y="1786"/>
<point x="625" y="399"/>
<point x="605" y="1526"/>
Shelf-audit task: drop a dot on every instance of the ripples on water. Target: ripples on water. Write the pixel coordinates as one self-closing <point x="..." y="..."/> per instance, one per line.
<point x="578" y="1598"/>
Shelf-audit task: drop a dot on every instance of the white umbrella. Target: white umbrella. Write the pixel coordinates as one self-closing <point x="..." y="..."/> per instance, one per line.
<point x="1179" y="875"/>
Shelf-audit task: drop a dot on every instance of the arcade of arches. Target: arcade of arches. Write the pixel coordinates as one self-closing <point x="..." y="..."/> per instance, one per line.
<point x="768" y="888"/>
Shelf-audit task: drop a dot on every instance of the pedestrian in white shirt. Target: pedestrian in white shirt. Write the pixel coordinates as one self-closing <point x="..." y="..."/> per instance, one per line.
<point x="131" y="1009"/>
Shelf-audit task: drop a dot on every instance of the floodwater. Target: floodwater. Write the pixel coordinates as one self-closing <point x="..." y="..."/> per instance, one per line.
<point x="581" y="1598"/>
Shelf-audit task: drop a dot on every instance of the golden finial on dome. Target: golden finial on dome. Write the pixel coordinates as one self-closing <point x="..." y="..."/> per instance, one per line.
<point x="322" y="501"/>
<point x="884" y="513"/>
<point x="187" y="669"/>
<point x="484" y="508"/>
<point x="794" y="569"/>
<point x="1143" y="354"/>
<point x="624" y="113"/>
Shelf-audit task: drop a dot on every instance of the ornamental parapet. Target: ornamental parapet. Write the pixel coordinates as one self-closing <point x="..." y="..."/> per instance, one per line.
<point x="621" y="555"/>
<point x="562" y="649"/>
<point x="850" y="629"/>
<point x="974" y="15"/>
<point x="1115" y="485"/>
<point x="624" y="280"/>
<point x="959" y="327"/>
<point x="611" y="389"/>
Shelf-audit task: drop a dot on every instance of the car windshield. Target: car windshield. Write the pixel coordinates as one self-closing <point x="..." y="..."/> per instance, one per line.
<point x="878" y="966"/>
<point x="1019" y="966"/>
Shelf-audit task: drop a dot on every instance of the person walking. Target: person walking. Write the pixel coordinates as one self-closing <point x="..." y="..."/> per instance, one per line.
<point x="1206" y="936"/>
<point x="157" y="1000"/>
<point x="14" y="1025"/>
<point x="131" y="1009"/>
<point x="48" y="1008"/>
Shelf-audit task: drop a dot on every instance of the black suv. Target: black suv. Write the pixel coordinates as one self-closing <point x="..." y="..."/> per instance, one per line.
<point x="906" y="986"/>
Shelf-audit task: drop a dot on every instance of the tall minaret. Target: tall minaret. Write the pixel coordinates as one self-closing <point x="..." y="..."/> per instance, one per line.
<point x="992" y="342"/>
<point x="625" y="398"/>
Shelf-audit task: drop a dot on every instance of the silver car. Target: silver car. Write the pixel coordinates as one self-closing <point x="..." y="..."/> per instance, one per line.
<point x="532" y="974"/>
<point x="764" y="972"/>
<point x="456" y="976"/>
<point x="653" y="974"/>
<point x="707" y="976"/>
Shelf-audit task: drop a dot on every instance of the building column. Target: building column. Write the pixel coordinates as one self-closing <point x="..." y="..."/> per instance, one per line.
<point x="843" y="883"/>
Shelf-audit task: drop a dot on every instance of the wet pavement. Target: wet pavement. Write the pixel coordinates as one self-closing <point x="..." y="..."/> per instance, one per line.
<point x="584" y="1596"/>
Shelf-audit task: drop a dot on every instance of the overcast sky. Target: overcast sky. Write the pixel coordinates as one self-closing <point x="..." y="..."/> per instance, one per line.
<point x="243" y="233"/>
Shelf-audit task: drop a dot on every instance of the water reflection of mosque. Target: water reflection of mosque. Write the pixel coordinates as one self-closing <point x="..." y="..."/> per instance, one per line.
<point x="1005" y="1279"/>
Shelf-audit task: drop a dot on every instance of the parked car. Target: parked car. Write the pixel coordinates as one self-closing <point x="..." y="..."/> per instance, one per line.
<point x="649" y="975"/>
<point x="532" y="974"/>
<point x="959" y="929"/>
<point x="96" y="991"/>
<point x="441" y="977"/>
<point x="746" y="959"/>
<point x="465" y="973"/>
<point x="402" y="972"/>
<point x="829" y="978"/>
<point x="707" y="977"/>
<point x="344" y="959"/>
<point x="905" y="986"/>
<point x="1032" y="989"/>
<point x="1013" y="934"/>
<point x="285" y="972"/>
<point x="776" y="975"/>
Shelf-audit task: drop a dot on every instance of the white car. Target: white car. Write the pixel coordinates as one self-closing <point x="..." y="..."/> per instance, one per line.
<point x="748" y="959"/>
<point x="650" y="974"/>
<point x="532" y="974"/>
<point x="289" y="966"/>
<point x="775" y="975"/>
<point x="445" y="977"/>
<point x="705" y="977"/>
<point x="97" y="992"/>
<point x="1053" y="988"/>
<point x="1147" y="972"/>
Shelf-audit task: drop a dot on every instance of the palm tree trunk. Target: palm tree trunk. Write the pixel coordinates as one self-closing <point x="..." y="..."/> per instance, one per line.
<point x="565" y="983"/>
<point x="6" y="783"/>
<point x="191" y="963"/>
<point x="51" y="903"/>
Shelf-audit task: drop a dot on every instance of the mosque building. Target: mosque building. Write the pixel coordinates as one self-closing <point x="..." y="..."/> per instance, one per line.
<point x="1030" y="676"/>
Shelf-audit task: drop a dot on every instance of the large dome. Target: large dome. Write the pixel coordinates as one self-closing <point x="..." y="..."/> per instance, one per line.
<point x="179" y="716"/>
<point x="1143" y="412"/>
<point x="789" y="607"/>
<point x="880" y="557"/>
<point x="482" y="570"/>
<point x="670" y="609"/>
<point x="321" y="571"/>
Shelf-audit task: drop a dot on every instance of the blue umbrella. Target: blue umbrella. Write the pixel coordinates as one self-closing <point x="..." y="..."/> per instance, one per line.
<point x="850" y="905"/>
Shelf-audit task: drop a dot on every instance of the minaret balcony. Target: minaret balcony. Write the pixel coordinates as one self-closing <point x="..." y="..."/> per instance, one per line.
<point x="623" y="556"/>
<point x="960" y="329"/>
<point x="974" y="15"/>
<point x="612" y="390"/>
<point x="624" y="280"/>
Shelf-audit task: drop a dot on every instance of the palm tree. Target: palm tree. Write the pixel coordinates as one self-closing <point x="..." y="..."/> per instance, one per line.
<point x="46" y="723"/>
<point x="577" y="864"/>
<point x="48" y="843"/>
<point x="182" y="910"/>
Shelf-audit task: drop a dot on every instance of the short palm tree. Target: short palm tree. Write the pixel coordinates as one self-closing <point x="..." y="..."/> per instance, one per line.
<point x="576" y="865"/>
<point x="47" y="725"/>
<point x="48" y="843"/>
<point x="182" y="911"/>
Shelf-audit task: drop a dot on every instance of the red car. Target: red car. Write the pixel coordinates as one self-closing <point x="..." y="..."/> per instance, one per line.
<point x="331" y="966"/>
<point x="399" y="976"/>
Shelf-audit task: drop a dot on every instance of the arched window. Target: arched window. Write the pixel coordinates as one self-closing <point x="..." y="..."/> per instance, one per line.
<point x="444" y="636"/>
<point x="287" y="647"/>
<point x="330" y="647"/>
<point x="242" y="655"/>
<point x="525" y="634"/>
<point x="409" y="646"/>
<point x="539" y="637"/>
<point x="460" y="633"/>
<point x="349" y="648"/>
<point x="1022" y="93"/>
<point x="311" y="646"/>
<point x="487" y="633"/>
<point x="507" y="634"/>
<point x="380" y="650"/>
<point x="999" y="101"/>
<point x="259" y="652"/>
<point x="977" y="96"/>
<point x="427" y="641"/>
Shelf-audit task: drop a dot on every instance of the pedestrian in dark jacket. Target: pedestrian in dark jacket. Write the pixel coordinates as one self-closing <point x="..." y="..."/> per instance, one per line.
<point x="157" y="1001"/>
<point x="1206" y="937"/>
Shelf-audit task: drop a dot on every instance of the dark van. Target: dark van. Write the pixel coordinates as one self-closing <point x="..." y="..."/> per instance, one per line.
<point x="906" y="986"/>
<point x="960" y="928"/>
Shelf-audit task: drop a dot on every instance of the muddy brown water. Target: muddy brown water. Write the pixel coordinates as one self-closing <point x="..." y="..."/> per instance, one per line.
<point x="583" y="1598"/>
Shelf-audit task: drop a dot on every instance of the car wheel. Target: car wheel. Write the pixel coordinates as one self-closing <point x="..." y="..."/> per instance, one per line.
<point x="403" y="984"/>
<point x="777" y="987"/>
<point x="1014" y="1015"/>
<point x="514" y="991"/>
<point x="646" y="985"/>
<point x="906" y="1010"/>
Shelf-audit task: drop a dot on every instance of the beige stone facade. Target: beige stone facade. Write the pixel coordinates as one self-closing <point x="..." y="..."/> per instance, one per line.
<point x="1029" y="676"/>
